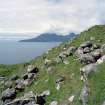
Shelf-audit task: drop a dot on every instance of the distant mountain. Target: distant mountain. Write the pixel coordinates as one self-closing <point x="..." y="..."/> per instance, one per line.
<point x="50" y="37"/>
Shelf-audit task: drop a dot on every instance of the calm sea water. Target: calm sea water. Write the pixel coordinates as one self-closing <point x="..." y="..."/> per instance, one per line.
<point x="19" y="52"/>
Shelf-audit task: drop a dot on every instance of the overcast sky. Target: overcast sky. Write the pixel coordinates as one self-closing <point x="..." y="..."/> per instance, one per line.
<point x="38" y="16"/>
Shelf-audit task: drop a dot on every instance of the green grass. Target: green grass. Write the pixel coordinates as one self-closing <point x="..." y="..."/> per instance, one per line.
<point x="71" y="85"/>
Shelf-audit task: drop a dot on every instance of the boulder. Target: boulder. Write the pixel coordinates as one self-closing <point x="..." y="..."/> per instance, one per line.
<point x="88" y="69"/>
<point x="63" y="55"/>
<point x="79" y="52"/>
<point x="27" y="99"/>
<point x="87" y="59"/>
<point x="86" y="44"/>
<point x="40" y="100"/>
<point x="8" y="94"/>
<point x="20" y="85"/>
<point x="28" y="76"/>
<point x="71" y="50"/>
<point x="32" y="69"/>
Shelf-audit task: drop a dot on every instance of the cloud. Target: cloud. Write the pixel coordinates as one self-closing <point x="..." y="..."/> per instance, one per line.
<point x="40" y="16"/>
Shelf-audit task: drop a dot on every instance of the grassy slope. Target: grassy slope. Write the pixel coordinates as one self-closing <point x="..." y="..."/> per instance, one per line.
<point x="71" y="85"/>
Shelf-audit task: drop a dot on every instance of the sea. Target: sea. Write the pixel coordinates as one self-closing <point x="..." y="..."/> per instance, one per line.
<point x="12" y="52"/>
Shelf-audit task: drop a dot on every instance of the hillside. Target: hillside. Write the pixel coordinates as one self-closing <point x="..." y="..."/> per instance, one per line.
<point x="55" y="76"/>
<point x="50" y="37"/>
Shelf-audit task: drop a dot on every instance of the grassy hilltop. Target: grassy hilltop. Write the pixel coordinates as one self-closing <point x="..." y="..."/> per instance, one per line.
<point x="72" y="84"/>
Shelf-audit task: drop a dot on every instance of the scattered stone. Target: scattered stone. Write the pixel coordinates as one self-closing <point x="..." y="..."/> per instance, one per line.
<point x="66" y="62"/>
<point x="60" y="79"/>
<point x="46" y="93"/>
<point x="71" y="98"/>
<point x="8" y="94"/>
<point x="54" y="103"/>
<point x="58" y="86"/>
<point x="27" y="99"/>
<point x="84" y="95"/>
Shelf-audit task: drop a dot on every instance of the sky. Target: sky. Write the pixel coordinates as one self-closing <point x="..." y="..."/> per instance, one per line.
<point x="39" y="16"/>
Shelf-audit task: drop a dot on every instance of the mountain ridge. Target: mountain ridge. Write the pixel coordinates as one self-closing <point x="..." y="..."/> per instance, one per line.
<point x="50" y="37"/>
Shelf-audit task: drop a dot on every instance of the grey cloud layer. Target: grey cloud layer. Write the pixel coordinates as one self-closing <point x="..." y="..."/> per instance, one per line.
<point x="50" y="15"/>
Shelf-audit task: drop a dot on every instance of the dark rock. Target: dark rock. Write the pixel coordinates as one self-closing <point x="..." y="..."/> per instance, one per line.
<point x="32" y="69"/>
<point x="27" y="99"/>
<point x="8" y="94"/>
<point x="41" y="100"/>
<point x="86" y="44"/>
